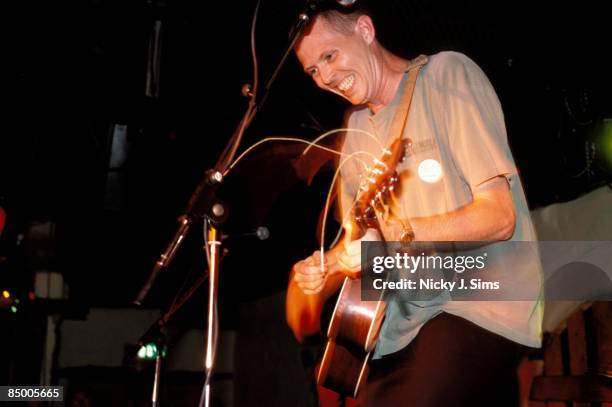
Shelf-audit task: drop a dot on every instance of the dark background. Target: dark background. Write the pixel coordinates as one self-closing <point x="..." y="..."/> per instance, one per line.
<point x="77" y="68"/>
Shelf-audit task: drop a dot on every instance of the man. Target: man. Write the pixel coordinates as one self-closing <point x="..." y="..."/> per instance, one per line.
<point x="458" y="183"/>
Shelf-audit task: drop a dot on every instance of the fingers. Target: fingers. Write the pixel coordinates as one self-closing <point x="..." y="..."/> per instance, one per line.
<point x="315" y="260"/>
<point x="349" y="267"/>
<point x="308" y="275"/>
<point x="311" y="287"/>
<point x="349" y="261"/>
<point x="315" y="290"/>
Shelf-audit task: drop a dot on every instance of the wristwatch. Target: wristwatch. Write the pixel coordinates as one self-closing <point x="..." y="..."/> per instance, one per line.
<point x="407" y="235"/>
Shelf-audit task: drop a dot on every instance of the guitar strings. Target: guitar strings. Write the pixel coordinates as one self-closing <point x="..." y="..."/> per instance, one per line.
<point x="329" y="133"/>
<point x="328" y="199"/>
<point x="311" y="144"/>
<point x="326" y="209"/>
<point x="269" y="139"/>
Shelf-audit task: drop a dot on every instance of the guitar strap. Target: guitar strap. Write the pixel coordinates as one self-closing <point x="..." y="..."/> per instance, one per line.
<point x="401" y="113"/>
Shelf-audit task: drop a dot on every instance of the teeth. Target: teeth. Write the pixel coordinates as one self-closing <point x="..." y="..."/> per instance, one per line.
<point x="347" y="83"/>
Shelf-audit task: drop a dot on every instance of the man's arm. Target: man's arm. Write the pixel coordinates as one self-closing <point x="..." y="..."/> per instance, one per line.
<point x="489" y="217"/>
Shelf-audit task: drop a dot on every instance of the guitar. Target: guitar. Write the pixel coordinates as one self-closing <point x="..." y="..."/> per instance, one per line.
<point x="355" y="324"/>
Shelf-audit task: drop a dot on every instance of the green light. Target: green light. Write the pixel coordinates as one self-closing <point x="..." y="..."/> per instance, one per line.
<point x="17" y="301"/>
<point x="607" y="137"/>
<point x="150" y="351"/>
<point x="13" y="309"/>
<point x="600" y="148"/>
<point x="604" y="140"/>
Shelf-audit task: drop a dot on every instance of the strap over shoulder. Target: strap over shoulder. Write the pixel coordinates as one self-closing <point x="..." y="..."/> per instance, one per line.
<point x="401" y="113"/>
<point x="417" y="62"/>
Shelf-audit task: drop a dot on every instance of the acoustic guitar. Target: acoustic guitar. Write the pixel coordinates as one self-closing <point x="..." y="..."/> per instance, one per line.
<point x="355" y="324"/>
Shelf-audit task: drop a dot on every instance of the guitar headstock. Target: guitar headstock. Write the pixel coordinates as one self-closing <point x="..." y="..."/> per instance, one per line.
<point x="378" y="184"/>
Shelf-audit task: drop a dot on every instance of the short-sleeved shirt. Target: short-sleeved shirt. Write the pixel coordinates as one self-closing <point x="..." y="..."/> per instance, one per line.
<point x="455" y="125"/>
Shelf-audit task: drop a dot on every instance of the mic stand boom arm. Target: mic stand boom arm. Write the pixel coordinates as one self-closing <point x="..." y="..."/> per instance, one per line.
<point x="203" y="202"/>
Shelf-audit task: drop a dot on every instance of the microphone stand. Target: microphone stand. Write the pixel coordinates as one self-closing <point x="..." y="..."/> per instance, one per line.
<point x="213" y="324"/>
<point x="204" y="204"/>
<point x="155" y="334"/>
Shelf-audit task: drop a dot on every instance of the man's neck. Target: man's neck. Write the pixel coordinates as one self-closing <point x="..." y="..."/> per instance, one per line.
<point x="392" y="69"/>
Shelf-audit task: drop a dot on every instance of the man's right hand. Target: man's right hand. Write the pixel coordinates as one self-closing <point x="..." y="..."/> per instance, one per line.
<point x="309" y="287"/>
<point x="310" y="276"/>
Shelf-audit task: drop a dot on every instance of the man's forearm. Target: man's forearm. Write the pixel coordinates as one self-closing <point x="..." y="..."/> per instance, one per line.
<point x="479" y="221"/>
<point x="489" y="217"/>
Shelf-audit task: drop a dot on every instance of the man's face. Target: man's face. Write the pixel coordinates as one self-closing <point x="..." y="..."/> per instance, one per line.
<point x="338" y="62"/>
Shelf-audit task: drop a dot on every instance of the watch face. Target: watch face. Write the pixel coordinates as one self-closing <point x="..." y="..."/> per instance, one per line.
<point x="407" y="236"/>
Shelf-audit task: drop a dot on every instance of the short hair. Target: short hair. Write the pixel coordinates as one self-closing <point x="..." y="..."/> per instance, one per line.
<point x="343" y="22"/>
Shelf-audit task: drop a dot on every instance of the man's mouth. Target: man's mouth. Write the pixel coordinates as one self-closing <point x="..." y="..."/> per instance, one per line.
<point x="347" y="83"/>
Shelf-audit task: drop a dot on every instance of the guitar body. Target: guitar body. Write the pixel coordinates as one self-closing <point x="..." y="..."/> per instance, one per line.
<point x="352" y="335"/>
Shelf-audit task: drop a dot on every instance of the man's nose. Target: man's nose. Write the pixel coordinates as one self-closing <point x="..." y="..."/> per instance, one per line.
<point x="327" y="75"/>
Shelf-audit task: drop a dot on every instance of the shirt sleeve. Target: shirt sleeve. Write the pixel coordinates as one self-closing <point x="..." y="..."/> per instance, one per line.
<point x="474" y="121"/>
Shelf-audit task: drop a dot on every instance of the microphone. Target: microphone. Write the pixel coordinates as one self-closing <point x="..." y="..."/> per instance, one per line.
<point x="262" y="233"/>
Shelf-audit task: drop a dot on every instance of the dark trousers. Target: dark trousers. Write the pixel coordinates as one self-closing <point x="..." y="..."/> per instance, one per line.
<point x="451" y="363"/>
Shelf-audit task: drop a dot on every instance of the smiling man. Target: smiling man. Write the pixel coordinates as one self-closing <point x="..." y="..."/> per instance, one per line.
<point x="361" y="71"/>
<point x="457" y="183"/>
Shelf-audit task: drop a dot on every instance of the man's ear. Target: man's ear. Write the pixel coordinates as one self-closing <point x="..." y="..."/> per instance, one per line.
<point x="364" y="27"/>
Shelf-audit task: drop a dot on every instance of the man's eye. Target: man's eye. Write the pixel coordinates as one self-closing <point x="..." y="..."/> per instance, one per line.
<point x="313" y="72"/>
<point x="329" y="56"/>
